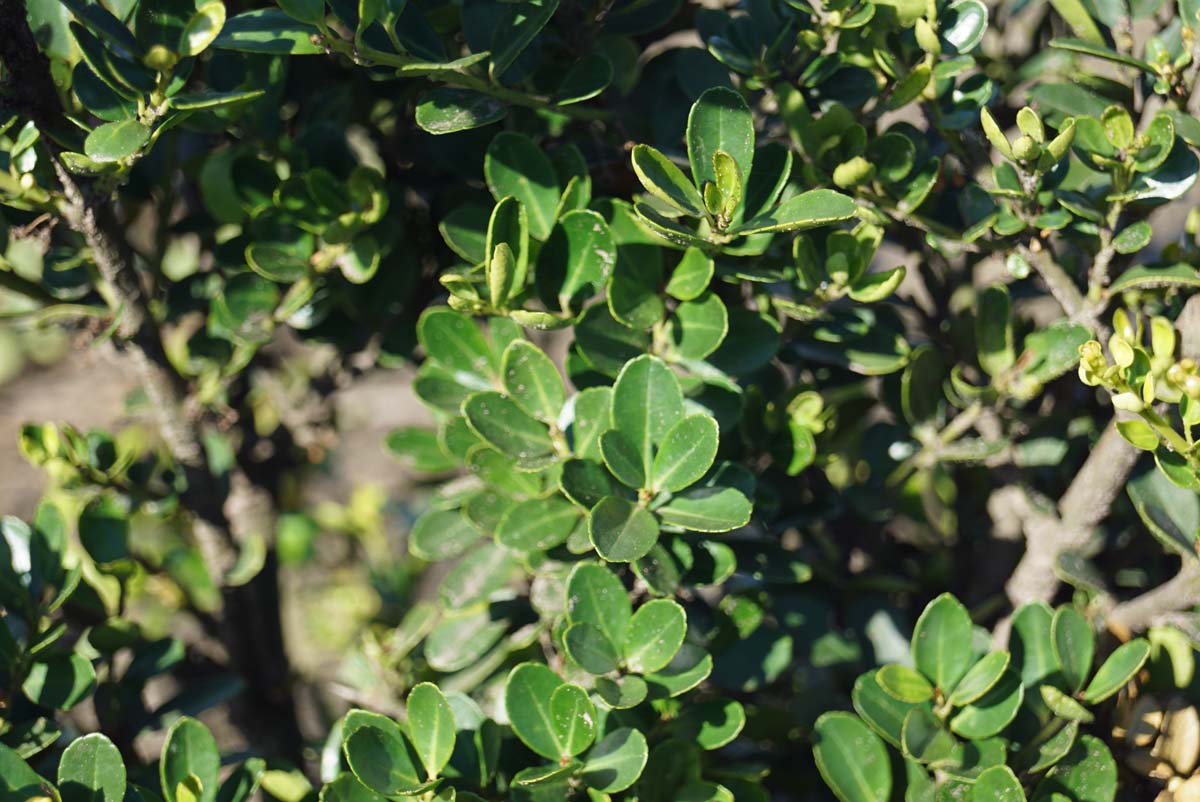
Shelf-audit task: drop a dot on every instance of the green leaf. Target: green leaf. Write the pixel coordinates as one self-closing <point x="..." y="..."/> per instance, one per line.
<point x="537" y="524"/>
<point x="441" y="535"/>
<point x="1142" y="277"/>
<point x="576" y="261"/>
<point x="454" y="341"/>
<point x="817" y="207"/>
<point x="1101" y="51"/>
<point x="310" y="11"/>
<point x="1076" y="15"/>
<point x="498" y="420"/>
<point x="1170" y="512"/>
<point x="189" y="751"/>
<point x="992" y="712"/>
<point x="707" y="508"/>
<point x="593" y="413"/>
<point x="515" y="166"/>
<point x="665" y="181"/>
<point x="18" y="782"/>
<point x="691" y="276"/>
<point x="686" y="453"/>
<point x="997" y="784"/>
<point x="852" y="760"/>
<point x="1064" y="706"/>
<point x="924" y="739"/>
<point x="587" y="78"/>
<point x="1139" y="434"/>
<point x="620" y="530"/>
<point x="699" y="326"/>
<point x="622" y="458"/>
<point x="596" y="596"/>
<point x="646" y="403"/>
<point x="1087" y="774"/>
<point x="622" y="693"/>
<point x="202" y="28"/>
<point x="519" y="23"/>
<point x="241" y="785"/>
<point x="91" y="770"/>
<point x="654" y="635"/>
<point x="962" y="26"/>
<point x="431" y="723"/>
<point x="508" y="225"/>
<point x="588" y="646"/>
<point x="1117" y="670"/>
<point x="719" y="120"/>
<point x="904" y="683"/>
<point x="114" y="142"/>
<point x="192" y="101"/>
<point x="881" y="710"/>
<point x="710" y="724"/>
<point x="874" y="287"/>
<point x="531" y="379"/>
<point x="980" y="678"/>
<point x="1133" y="237"/>
<point x="941" y="642"/>
<point x="379" y="755"/>
<point x="546" y="713"/>
<point x="616" y="762"/>
<point x="60" y="681"/>
<point x="269" y="31"/>
<point x="993" y="331"/>
<point x="447" y="110"/>
<point x="1074" y="645"/>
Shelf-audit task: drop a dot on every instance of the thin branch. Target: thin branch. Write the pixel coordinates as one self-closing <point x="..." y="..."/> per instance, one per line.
<point x="1181" y="592"/>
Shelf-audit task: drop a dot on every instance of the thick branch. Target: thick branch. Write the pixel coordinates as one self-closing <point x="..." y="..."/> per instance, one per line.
<point x="1178" y="593"/>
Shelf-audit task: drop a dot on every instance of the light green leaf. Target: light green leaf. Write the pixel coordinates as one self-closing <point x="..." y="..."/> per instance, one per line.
<point x="665" y="181"/>
<point x="997" y="784"/>
<point x="270" y="31"/>
<point x="498" y="420"/>
<point x="647" y="402"/>
<point x="588" y="646"/>
<point x="574" y="718"/>
<point x="691" y="276"/>
<point x="537" y="524"/>
<point x="60" y="681"/>
<point x="904" y="683"/>
<point x="441" y="535"/>
<point x="576" y="261"/>
<point x="113" y="142"/>
<point x="447" y="110"/>
<point x="699" y="326"/>
<point x="454" y="341"/>
<point x="980" y="678"/>
<point x="379" y="754"/>
<point x="707" y="508"/>
<point x="202" y="28"/>
<point x="596" y="596"/>
<point x="1087" y="774"/>
<point x="431" y="723"/>
<point x="992" y="712"/>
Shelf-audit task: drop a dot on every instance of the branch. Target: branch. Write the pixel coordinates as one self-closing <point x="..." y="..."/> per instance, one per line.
<point x="1178" y="593"/>
<point x="1048" y="535"/>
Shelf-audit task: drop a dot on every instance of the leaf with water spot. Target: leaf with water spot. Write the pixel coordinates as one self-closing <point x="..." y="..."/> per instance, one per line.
<point x="502" y="423"/>
<point x="941" y="642"/>
<point x="431" y="723"/>
<point x="620" y="530"/>
<point x="654" y="635"/>
<point x="531" y="379"/>
<point x="851" y="759"/>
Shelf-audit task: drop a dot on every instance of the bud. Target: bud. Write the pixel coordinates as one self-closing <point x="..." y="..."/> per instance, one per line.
<point x="160" y="59"/>
<point x="927" y="38"/>
<point x="1025" y="149"/>
<point x="853" y="172"/>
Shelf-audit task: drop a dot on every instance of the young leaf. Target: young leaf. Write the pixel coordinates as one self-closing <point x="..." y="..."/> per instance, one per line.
<point x="980" y="678"/>
<point x="665" y="181"/>
<point x="379" y="755"/>
<point x="817" y="207"/>
<point x="903" y="683"/>
<point x="431" y="722"/>
<point x="515" y="166"/>
<point x="574" y="718"/>
<point x="498" y="420"/>
<point x="647" y="402"/>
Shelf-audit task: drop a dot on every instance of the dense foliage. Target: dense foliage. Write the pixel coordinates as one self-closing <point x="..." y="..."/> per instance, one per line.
<point x="785" y="362"/>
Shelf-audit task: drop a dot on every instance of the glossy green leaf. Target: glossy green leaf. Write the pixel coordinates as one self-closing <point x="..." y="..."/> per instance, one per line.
<point x="189" y="751"/>
<point x="707" y="508"/>
<point x="202" y="28"/>
<point x="576" y="261"/>
<point x="114" y="142"/>
<point x="904" y="684"/>
<point x="719" y="120"/>
<point x="817" y="207"/>
<point x="699" y="326"/>
<point x="1088" y="773"/>
<point x="447" y="110"/>
<point x="616" y="761"/>
<point x="537" y="524"/>
<point x="620" y="530"/>
<point x="941" y="642"/>
<point x="991" y="713"/>
<point x="431" y="723"/>
<point x="997" y="784"/>
<point x="588" y="646"/>
<point x="515" y="166"/>
<point x="1115" y="672"/>
<point x="852" y="760"/>
<point x="665" y="181"/>
<point x="980" y="678"/>
<point x="1074" y="646"/>
<point x="687" y="452"/>
<point x="500" y="421"/>
<point x="531" y="379"/>
<point x="379" y="754"/>
<point x="60" y="681"/>
<point x="268" y="31"/>
<point x="654" y="635"/>
<point x="646" y="403"/>
<point x="91" y="770"/>
<point x="596" y="596"/>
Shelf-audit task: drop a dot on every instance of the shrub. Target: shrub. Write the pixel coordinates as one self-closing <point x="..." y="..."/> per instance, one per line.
<point x="748" y="335"/>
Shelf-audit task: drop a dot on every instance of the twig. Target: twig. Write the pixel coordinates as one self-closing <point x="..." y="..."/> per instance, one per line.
<point x="1178" y="593"/>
